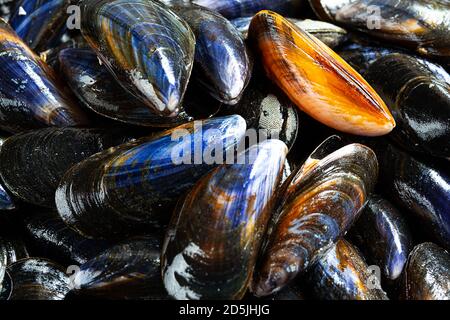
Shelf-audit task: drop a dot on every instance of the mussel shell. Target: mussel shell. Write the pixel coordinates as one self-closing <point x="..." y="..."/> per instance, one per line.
<point x="423" y="25"/>
<point x="6" y="7"/>
<point x="5" y="287"/>
<point x="418" y="187"/>
<point x="222" y="63"/>
<point x="326" y="32"/>
<point x="232" y="9"/>
<point x="33" y="163"/>
<point x="148" y="48"/>
<point x="215" y="235"/>
<point x="383" y="235"/>
<point x="6" y="201"/>
<point x="305" y="69"/>
<point x="320" y="202"/>
<point x="427" y="273"/>
<point x="129" y="270"/>
<point x="267" y="111"/>
<point x="418" y="95"/>
<point x="13" y="248"/>
<point x="135" y="185"/>
<point x="43" y="24"/>
<point x="38" y="279"/>
<point x="29" y="96"/>
<point x="49" y="236"/>
<point x="342" y="274"/>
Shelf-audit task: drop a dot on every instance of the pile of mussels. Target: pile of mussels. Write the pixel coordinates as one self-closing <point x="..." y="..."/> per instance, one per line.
<point x="105" y="106"/>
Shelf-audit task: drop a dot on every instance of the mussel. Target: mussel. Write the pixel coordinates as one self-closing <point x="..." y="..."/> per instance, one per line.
<point x="33" y="163"/>
<point x="49" y="236"/>
<point x="320" y="202"/>
<point x="419" y="187"/>
<point x="146" y="46"/>
<point x="40" y="23"/>
<point x="129" y="270"/>
<point x="37" y="279"/>
<point x="382" y="234"/>
<point x="6" y="7"/>
<point x="29" y="96"/>
<point x="418" y="95"/>
<point x="6" y="201"/>
<point x="13" y="248"/>
<point x="244" y="8"/>
<point x="133" y="186"/>
<point x="422" y="25"/>
<point x="222" y="64"/>
<point x="427" y="273"/>
<point x="342" y="274"/>
<point x="316" y="79"/>
<point x="326" y="32"/>
<point x="215" y="235"/>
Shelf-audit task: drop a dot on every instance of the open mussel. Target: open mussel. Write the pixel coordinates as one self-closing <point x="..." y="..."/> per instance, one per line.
<point x="38" y="279"/>
<point x="427" y="273"/>
<point x="320" y="202"/>
<point x="129" y="270"/>
<point x="29" y="96"/>
<point x="232" y="9"/>
<point x="40" y="23"/>
<point x="135" y="185"/>
<point x="215" y="235"/>
<point x="382" y="234"/>
<point x="418" y="187"/>
<point x="418" y="95"/>
<point x="316" y="79"/>
<point x="33" y="163"/>
<point x="343" y="274"/>
<point x="51" y="237"/>
<point x="326" y="32"/>
<point x="422" y="25"/>
<point x="222" y="64"/>
<point x="146" y="46"/>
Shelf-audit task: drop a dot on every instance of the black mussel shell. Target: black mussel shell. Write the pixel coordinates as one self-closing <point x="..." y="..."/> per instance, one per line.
<point x="342" y="274"/>
<point x="129" y="270"/>
<point x="33" y="163"/>
<point x="38" y="279"/>
<point x="427" y="273"/>
<point x="417" y="93"/>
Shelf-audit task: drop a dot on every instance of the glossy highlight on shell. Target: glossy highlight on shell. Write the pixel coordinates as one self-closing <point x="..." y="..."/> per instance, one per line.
<point x="146" y="46"/>
<point x="135" y="185"/>
<point x="321" y="200"/>
<point x="316" y="79"/>
<point x="213" y="241"/>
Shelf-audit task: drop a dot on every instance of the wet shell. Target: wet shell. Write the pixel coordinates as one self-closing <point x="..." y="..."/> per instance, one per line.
<point x="135" y="185"/>
<point x="321" y="201"/>
<point x="29" y="96"/>
<point x="33" y="163"/>
<point x="148" y="48"/>
<point x="418" y="95"/>
<point x="427" y="273"/>
<point x="241" y="8"/>
<point x="342" y="274"/>
<point x="13" y="247"/>
<point x="130" y="270"/>
<point x="40" y="23"/>
<point x="222" y="64"/>
<point x="420" y="188"/>
<point x="213" y="242"/>
<point x="6" y="201"/>
<point x="38" y="279"/>
<point x="6" y="7"/>
<point x="423" y="25"/>
<point x="382" y="234"/>
<point x="316" y="79"/>
<point x="52" y="238"/>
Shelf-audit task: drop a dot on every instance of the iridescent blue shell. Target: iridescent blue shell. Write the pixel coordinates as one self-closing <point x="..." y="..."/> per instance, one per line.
<point x="213" y="242"/>
<point x="232" y="9"/>
<point x="29" y="95"/>
<point x="6" y="202"/>
<point x="320" y="202"/>
<point x="134" y="186"/>
<point x="40" y="23"/>
<point x="146" y="46"/>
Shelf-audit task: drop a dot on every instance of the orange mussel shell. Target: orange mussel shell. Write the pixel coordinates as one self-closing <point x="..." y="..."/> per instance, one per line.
<point x="316" y="79"/>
